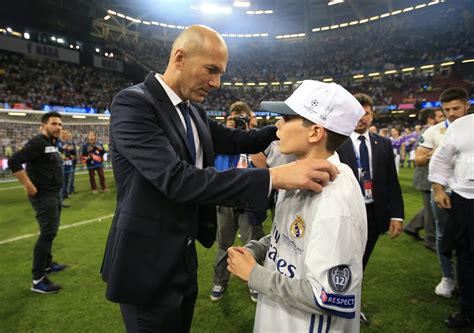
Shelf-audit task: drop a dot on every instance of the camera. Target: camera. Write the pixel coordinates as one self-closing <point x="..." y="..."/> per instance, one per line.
<point x="241" y="122"/>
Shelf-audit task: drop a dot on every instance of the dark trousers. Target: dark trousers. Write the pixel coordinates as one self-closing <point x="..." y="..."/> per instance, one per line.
<point x="66" y="182"/>
<point x="462" y="220"/>
<point x="424" y="220"/>
<point x="47" y="206"/>
<point x="372" y="234"/>
<point x="100" y="172"/>
<point x="72" y="186"/>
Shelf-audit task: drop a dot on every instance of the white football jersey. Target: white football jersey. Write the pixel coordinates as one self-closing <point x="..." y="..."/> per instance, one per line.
<point x="321" y="238"/>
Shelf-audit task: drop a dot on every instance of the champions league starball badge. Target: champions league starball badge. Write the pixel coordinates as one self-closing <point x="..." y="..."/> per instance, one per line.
<point x="340" y="278"/>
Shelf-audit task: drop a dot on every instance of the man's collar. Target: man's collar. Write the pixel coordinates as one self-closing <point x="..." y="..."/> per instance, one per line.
<point x="355" y="136"/>
<point x="174" y="98"/>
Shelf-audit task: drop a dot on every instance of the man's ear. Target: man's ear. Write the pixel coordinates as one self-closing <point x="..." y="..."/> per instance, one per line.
<point x="178" y="58"/>
<point x="316" y="134"/>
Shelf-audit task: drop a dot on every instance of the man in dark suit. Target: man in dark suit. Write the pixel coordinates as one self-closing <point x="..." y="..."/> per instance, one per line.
<point x="371" y="158"/>
<point x="163" y="149"/>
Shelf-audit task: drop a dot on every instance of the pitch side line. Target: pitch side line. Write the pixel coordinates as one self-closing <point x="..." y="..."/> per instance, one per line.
<point x="98" y="219"/>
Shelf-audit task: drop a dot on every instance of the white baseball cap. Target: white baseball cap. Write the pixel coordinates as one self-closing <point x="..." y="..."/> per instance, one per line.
<point x="326" y="104"/>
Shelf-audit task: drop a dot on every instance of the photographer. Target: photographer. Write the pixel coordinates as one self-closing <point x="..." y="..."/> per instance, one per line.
<point x="92" y="154"/>
<point x="229" y="219"/>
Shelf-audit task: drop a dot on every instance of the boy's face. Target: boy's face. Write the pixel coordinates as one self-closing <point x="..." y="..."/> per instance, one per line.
<point x="293" y="135"/>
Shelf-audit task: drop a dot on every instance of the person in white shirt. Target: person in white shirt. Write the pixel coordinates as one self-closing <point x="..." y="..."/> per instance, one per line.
<point x="454" y="105"/>
<point x="453" y="165"/>
<point x="312" y="277"/>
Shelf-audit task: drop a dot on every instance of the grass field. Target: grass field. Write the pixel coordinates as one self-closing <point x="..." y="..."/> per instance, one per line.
<point x="397" y="291"/>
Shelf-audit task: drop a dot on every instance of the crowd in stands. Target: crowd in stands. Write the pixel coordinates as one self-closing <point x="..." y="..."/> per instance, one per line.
<point x="39" y="81"/>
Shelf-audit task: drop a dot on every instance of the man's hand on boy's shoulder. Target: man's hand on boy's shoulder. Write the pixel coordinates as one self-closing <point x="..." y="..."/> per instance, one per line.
<point x="240" y="262"/>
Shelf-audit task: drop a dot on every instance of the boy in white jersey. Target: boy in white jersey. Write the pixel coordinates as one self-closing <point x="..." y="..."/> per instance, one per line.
<point x="312" y="276"/>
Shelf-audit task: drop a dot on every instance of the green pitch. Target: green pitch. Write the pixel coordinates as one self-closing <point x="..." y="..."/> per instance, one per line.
<point x="397" y="292"/>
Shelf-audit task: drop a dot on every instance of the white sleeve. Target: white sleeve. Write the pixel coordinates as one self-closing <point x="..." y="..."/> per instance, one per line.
<point x="441" y="166"/>
<point x="333" y="263"/>
<point x="427" y="138"/>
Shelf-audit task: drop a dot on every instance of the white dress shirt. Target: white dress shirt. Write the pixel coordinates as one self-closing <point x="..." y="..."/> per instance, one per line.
<point x="176" y="101"/>
<point x="453" y="162"/>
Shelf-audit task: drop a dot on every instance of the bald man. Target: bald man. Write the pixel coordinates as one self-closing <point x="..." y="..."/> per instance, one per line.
<point x="163" y="147"/>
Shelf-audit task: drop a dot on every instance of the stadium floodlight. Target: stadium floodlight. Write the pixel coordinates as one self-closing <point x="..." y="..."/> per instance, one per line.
<point x="396" y="12"/>
<point x="26" y="35"/>
<point x="420" y="6"/>
<point x="467" y="61"/>
<point x="71" y="46"/>
<point x="120" y="15"/>
<point x="408" y="69"/>
<point x="212" y="9"/>
<point x="241" y="4"/>
<point x="248" y="35"/>
<point x="343" y="25"/>
<point x="384" y="15"/>
<point x="335" y="2"/>
<point x="52" y="37"/>
<point x="146" y="22"/>
<point x="79" y="117"/>
<point x="239" y="84"/>
<point x="259" y="12"/>
<point x="163" y="25"/>
<point x="255" y="35"/>
<point x="77" y="47"/>
<point x="155" y="23"/>
<point x="358" y="76"/>
<point x="427" y="67"/>
<point x="194" y="7"/>
<point x="220" y="118"/>
<point x="106" y="54"/>
<point x="408" y="9"/>
<point x="263" y="84"/>
<point x="171" y="26"/>
<point x="251" y="84"/>
<point x="103" y="117"/>
<point x="268" y="11"/>
<point x="449" y="63"/>
<point x="111" y="12"/>
<point x="328" y="79"/>
<point x="9" y="29"/>
<point x="180" y="27"/>
<point x="288" y="82"/>
<point x="412" y="115"/>
<point x="374" y="74"/>
<point x="353" y="22"/>
<point x="301" y="35"/>
<point x="60" y="40"/>
<point x="364" y="21"/>
<point x="97" y="50"/>
<point x="335" y="26"/>
<point x="227" y="84"/>
<point x="316" y="29"/>
<point x="433" y="3"/>
<point x="275" y="83"/>
<point x="393" y="71"/>
<point x="250" y="12"/>
<point x="373" y="18"/>
<point x="111" y="55"/>
<point x="264" y="35"/>
<point x="107" y="17"/>
<point x="17" y="114"/>
<point x="324" y="28"/>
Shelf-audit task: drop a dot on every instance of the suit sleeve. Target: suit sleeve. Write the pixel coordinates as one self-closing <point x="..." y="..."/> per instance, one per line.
<point x="139" y="139"/>
<point x="234" y="141"/>
<point x="393" y="185"/>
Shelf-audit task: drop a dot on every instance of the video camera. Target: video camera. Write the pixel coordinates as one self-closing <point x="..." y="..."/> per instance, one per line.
<point x="242" y="122"/>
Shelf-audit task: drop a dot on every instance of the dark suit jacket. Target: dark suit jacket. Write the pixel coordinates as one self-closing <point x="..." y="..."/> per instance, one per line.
<point x="163" y="202"/>
<point x="388" y="201"/>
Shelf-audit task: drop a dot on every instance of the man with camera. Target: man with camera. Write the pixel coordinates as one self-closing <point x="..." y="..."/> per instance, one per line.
<point x="230" y="219"/>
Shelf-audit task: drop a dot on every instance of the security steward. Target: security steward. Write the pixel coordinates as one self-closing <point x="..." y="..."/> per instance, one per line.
<point x="43" y="180"/>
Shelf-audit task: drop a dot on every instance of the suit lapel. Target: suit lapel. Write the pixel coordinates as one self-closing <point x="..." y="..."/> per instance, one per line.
<point x="349" y="151"/>
<point x="167" y="107"/>
<point x="375" y="144"/>
<point x="203" y="132"/>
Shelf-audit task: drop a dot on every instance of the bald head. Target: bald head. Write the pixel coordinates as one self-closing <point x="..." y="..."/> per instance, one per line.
<point x="197" y="61"/>
<point x="198" y="39"/>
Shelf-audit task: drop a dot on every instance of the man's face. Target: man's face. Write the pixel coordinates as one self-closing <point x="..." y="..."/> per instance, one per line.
<point x="293" y="135"/>
<point x="53" y="127"/>
<point x="201" y="71"/>
<point x="91" y="137"/>
<point x="395" y="133"/>
<point x="455" y="109"/>
<point x="365" y="121"/>
<point x="439" y="116"/>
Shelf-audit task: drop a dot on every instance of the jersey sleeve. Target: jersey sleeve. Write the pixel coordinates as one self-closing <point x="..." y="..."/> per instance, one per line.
<point x="333" y="263"/>
<point x="427" y="138"/>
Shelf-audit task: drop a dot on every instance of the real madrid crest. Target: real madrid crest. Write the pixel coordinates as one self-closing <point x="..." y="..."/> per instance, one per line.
<point x="442" y="130"/>
<point x="297" y="228"/>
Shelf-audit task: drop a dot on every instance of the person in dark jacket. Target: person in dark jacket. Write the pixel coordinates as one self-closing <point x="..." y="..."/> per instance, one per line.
<point x="43" y="179"/>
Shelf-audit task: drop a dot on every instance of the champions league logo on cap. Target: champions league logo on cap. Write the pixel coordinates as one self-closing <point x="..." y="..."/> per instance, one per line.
<point x="340" y="278"/>
<point x="297" y="228"/>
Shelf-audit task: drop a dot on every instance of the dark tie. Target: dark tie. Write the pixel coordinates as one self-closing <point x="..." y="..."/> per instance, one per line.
<point x="184" y="107"/>
<point x="364" y="156"/>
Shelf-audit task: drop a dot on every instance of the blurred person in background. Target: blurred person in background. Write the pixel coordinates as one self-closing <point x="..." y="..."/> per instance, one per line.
<point x="452" y="165"/>
<point x="424" y="218"/>
<point x="454" y="103"/>
<point x="398" y="147"/>
<point x="93" y="155"/>
<point x="43" y="180"/>
<point x="231" y="219"/>
<point x="69" y="154"/>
